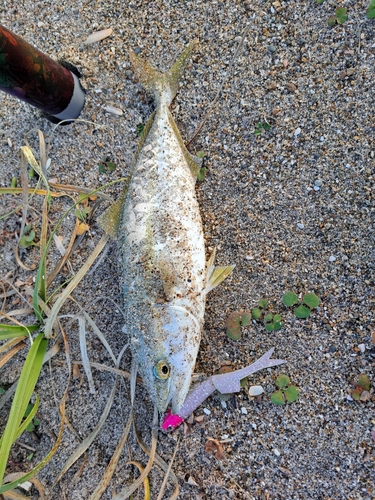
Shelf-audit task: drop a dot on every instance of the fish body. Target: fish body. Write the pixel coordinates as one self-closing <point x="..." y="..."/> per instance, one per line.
<point x="164" y="276"/>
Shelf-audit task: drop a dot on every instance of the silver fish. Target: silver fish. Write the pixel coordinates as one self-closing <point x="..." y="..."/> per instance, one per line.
<point x="163" y="269"/>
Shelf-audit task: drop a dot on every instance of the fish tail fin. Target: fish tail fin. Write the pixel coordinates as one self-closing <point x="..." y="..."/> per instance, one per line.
<point x="163" y="85"/>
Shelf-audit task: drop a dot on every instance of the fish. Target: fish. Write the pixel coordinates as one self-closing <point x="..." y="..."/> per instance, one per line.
<point x="163" y="271"/>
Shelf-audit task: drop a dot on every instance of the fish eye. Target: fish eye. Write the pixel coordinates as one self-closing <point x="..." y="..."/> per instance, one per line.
<point x="161" y="370"/>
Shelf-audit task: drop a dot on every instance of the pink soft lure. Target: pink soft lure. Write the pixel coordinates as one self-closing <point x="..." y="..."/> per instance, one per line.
<point x="226" y="383"/>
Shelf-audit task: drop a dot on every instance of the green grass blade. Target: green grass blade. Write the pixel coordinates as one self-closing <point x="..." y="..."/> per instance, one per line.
<point x="29" y="376"/>
<point x="27" y="420"/>
<point x="14" y="331"/>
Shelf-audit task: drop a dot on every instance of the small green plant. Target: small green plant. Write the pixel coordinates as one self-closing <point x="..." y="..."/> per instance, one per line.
<point x="140" y="128"/>
<point x="370" y="12"/>
<point x="339" y="17"/>
<point x="28" y="237"/>
<point x="106" y="165"/>
<point x="34" y="421"/>
<point x="310" y="301"/>
<point x="362" y="386"/>
<point x="319" y="2"/>
<point x="286" y="391"/>
<point x="272" y="322"/>
<point x="262" y="127"/>
<point x="234" y="322"/>
<point x="202" y="172"/>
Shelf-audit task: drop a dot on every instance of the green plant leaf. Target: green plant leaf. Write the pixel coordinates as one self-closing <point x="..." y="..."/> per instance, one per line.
<point x="26" y="384"/>
<point x="356" y="393"/>
<point x="257" y="131"/>
<point x="364" y="382"/>
<point x="233" y="327"/>
<point x="266" y="126"/>
<point x="201" y="154"/>
<point x="370" y="12"/>
<point x="302" y="312"/>
<point x="14" y="331"/>
<point x="270" y="327"/>
<point x="277" y="398"/>
<point x="319" y="2"/>
<point x="341" y="15"/>
<point x="101" y="168"/>
<point x="243" y="382"/>
<point x="277" y="326"/>
<point x="263" y="303"/>
<point x="111" y="166"/>
<point x="277" y="317"/>
<point x="256" y="312"/>
<point x="289" y="299"/>
<point x="268" y="318"/>
<point x="140" y="128"/>
<point x="331" y="21"/>
<point x="202" y="174"/>
<point x="291" y="393"/>
<point x="311" y="300"/>
<point x="246" y="319"/>
<point x="282" y="381"/>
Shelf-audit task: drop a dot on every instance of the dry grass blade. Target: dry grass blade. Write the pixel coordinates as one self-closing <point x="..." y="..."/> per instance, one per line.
<point x="89" y="439"/>
<point x="146" y="482"/>
<point x="107" y="476"/>
<point x="167" y="473"/>
<point x="84" y="355"/>
<point x="62" y="261"/>
<point x="15" y="495"/>
<point x="25" y="190"/>
<point x="111" y="369"/>
<point x="71" y="286"/>
<point x="20" y="312"/>
<point x="100" y="335"/>
<point x="4" y="359"/>
<point x="68" y="188"/>
<point x="162" y="464"/>
<point x="126" y="492"/>
<point x="10" y="343"/>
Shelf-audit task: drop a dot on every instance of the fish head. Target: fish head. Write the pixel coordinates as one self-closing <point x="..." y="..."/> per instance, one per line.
<point x="171" y="354"/>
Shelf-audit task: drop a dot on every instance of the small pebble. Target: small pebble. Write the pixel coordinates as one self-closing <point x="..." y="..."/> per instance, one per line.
<point x="255" y="390"/>
<point x="297" y="132"/>
<point x="276" y="452"/>
<point x="316" y="188"/>
<point x="271" y="49"/>
<point x="243" y="411"/>
<point x="318" y="182"/>
<point x="225" y="436"/>
<point x="300" y="225"/>
<point x="362" y="348"/>
<point x="332" y="258"/>
<point x="207" y="411"/>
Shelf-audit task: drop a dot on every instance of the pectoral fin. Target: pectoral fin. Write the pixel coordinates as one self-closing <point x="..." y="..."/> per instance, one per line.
<point x="216" y="276"/>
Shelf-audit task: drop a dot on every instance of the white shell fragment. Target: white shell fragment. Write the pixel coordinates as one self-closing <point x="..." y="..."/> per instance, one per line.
<point x="98" y="35"/>
<point x="256" y="390"/>
<point x="113" y="110"/>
